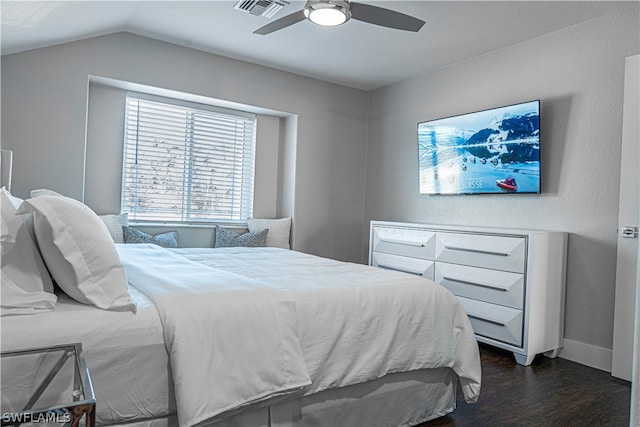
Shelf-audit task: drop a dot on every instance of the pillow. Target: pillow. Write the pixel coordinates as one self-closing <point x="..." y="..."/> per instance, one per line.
<point x="26" y="284"/>
<point x="166" y="240"/>
<point x="44" y="192"/>
<point x="279" y="230"/>
<point x="114" y="224"/>
<point x="79" y="251"/>
<point x="227" y="238"/>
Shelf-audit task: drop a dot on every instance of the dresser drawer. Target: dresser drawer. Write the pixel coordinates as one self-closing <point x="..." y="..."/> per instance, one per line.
<point x="400" y="241"/>
<point x="486" y="251"/>
<point x="417" y="266"/>
<point x="494" y="321"/>
<point x="510" y="282"/>
<point x="492" y="286"/>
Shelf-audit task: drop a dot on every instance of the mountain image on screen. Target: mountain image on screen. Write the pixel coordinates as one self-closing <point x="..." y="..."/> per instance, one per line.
<point x="489" y="151"/>
<point x="523" y="131"/>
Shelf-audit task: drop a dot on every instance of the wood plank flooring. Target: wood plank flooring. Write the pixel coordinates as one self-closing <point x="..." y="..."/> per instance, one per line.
<point x="549" y="392"/>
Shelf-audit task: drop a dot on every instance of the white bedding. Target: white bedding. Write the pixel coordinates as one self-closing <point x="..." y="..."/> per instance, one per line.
<point x="232" y="341"/>
<point x="354" y="323"/>
<point x="358" y="323"/>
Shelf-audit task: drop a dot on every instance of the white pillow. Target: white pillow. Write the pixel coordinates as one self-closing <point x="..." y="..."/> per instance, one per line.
<point x="115" y="223"/>
<point x="79" y="251"/>
<point x="44" y="192"/>
<point x="279" y="230"/>
<point x="26" y="284"/>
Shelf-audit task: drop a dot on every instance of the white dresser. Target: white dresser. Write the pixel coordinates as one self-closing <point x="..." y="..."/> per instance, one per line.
<point x="510" y="282"/>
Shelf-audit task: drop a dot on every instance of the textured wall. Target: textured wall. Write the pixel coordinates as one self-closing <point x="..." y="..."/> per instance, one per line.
<point x="577" y="73"/>
<point x="44" y="113"/>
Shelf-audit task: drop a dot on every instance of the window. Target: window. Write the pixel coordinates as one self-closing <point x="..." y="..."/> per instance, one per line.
<point x="186" y="162"/>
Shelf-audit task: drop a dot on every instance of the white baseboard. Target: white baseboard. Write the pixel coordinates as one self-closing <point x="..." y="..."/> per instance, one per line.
<point x="587" y="354"/>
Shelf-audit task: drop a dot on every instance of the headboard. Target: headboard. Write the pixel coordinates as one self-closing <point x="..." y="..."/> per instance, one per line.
<point x="6" y="164"/>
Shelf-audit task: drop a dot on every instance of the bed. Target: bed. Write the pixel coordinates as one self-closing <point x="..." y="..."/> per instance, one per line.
<point x="261" y="337"/>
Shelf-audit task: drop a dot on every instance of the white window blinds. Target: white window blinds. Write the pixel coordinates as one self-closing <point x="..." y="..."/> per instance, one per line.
<point x="186" y="162"/>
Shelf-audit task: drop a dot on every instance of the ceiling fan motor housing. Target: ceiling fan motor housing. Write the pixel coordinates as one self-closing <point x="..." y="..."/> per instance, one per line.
<point x="327" y="12"/>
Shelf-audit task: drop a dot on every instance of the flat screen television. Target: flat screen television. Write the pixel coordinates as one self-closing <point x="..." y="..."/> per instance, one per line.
<point x="494" y="151"/>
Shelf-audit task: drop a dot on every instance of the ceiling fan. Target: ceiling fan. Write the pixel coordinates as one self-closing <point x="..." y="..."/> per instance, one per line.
<point x="335" y="12"/>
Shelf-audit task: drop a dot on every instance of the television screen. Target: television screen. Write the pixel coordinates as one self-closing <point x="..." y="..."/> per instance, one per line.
<point x="490" y="151"/>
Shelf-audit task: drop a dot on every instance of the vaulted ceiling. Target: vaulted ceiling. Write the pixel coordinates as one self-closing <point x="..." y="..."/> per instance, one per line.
<point x="356" y="54"/>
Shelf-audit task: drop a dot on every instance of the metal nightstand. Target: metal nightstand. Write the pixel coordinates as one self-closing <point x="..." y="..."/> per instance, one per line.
<point x="49" y="385"/>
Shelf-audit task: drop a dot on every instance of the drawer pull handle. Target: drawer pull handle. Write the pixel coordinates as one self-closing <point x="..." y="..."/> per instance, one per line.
<point x="486" y="320"/>
<point x="404" y="242"/>
<point x="475" y="251"/>
<point x="481" y="285"/>
<point x="402" y="270"/>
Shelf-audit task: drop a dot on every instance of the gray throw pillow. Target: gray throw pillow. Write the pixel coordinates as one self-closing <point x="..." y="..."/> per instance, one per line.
<point x="227" y="238"/>
<point x="166" y="240"/>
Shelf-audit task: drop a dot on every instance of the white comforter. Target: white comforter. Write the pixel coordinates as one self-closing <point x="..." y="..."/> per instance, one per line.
<point x="231" y="340"/>
<point x="307" y="318"/>
<point x="357" y="322"/>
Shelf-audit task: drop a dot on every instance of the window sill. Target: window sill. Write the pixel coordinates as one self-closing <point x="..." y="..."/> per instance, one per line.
<point x="208" y="225"/>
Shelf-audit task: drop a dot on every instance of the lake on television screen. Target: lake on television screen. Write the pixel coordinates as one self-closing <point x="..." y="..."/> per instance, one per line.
<point x="492" y="151"/>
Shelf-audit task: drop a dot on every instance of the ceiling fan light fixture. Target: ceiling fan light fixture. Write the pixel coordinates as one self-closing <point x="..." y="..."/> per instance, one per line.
<point x="328" y="14"/>
<point x="336" y="12"/>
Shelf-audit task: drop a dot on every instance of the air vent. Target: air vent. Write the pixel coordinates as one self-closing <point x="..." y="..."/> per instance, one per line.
<point x="266" y="8"/>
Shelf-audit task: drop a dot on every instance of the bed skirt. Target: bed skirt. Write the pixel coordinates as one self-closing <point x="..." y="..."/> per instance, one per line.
<point x="401" y="399"/>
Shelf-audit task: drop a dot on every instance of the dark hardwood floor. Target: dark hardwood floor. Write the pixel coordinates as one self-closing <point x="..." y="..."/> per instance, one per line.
<point x="549" y="392"/>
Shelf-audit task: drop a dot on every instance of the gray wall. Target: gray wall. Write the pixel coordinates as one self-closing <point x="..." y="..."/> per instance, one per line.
<point x="104" y="152"/>
<point x="334" y="137"/>
<point x="577" y="73"/>
<point x="44" y="115"/>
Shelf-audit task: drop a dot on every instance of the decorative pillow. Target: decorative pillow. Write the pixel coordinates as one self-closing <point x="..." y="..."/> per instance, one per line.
<point x="166" y="240"/>
<point x="279" y="230"/>
<point x="227" y="238"/>
<point x="26" y="285"/>
<point x="114" y="224"/>
<point x="79" y="251"/>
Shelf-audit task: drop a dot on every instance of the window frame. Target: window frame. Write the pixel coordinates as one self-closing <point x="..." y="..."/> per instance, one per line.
<point x="185" y="212"/>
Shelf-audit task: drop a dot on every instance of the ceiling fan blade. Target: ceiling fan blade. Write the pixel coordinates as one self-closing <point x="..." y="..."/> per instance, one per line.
<point x="281" y="23"/>
<point x="385" y="17"/>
